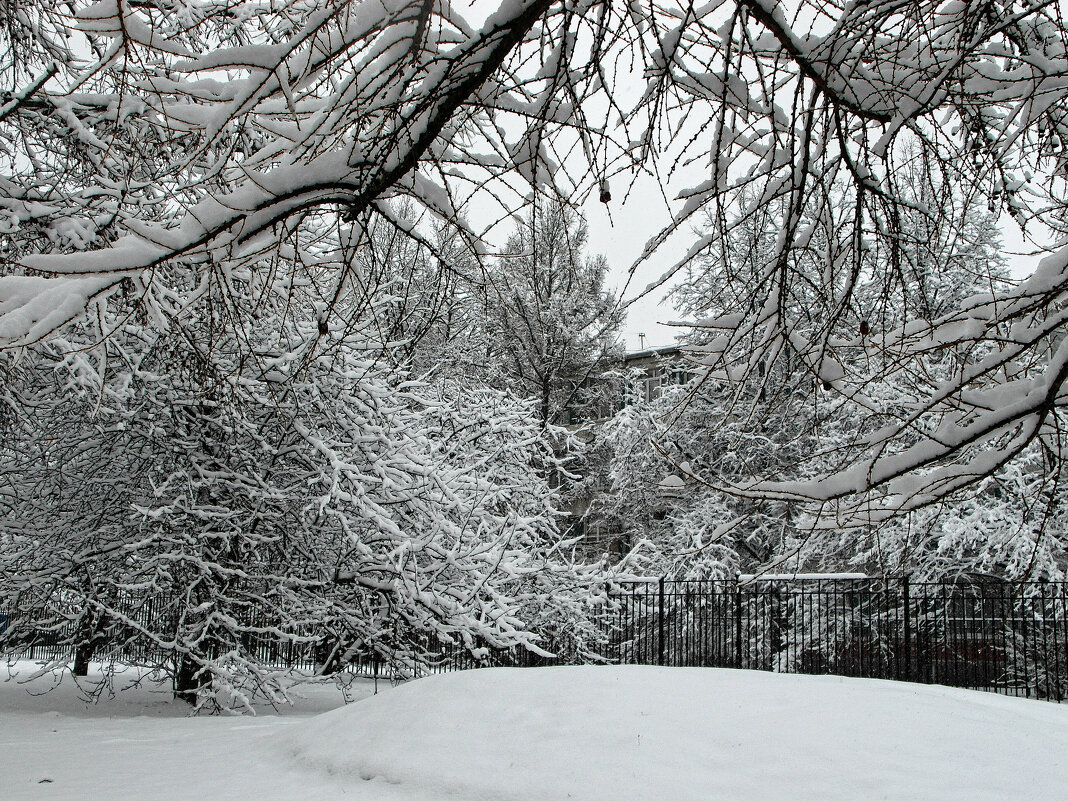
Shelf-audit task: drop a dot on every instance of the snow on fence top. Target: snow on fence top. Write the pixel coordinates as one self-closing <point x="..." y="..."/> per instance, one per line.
<point x="744" y="577"/>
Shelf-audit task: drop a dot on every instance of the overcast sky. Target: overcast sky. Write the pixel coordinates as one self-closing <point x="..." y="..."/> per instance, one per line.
<point x="621" y="231"/>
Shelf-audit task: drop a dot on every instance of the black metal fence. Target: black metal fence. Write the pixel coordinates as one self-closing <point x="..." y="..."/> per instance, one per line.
<point x="1006" y="637"/>
<point x="123" y="638"/>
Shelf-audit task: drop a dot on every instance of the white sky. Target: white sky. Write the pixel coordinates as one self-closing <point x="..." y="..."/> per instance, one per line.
<point x="621" y="231"/>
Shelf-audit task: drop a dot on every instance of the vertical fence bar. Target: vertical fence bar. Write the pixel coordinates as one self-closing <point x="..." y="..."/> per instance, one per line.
<point x="660" y="624"/>
<point x="1063" y="589"/>
<point x="1032" y="651"/>
<point x="907" y="601"/>
<point x="1008" y="638"/>
<point x="1022" y="647"/>
<point x="738" y="626"/>
<point x="1047" y="683"/>
<point x="1062" y="668"/>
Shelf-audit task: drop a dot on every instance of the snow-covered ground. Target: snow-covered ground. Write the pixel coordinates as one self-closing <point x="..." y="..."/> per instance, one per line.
<point x="590" y="733"/>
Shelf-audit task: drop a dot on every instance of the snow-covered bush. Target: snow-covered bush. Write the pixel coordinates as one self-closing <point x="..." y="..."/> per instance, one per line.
<point x="213" y="499"/>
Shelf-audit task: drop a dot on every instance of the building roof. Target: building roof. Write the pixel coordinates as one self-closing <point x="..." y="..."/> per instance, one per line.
<point x="648" y="353"/>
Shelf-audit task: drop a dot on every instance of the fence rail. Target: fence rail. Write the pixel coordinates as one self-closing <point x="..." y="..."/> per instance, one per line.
<point x="124" y="638"/>
<point x="1006" y="637"/>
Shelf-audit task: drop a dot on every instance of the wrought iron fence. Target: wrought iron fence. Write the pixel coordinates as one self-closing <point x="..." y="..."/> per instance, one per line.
<point x="1006" y="637"/>
<point x="122" y="638"/>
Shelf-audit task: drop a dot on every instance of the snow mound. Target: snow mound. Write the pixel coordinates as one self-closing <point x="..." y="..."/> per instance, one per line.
<point x="634" y="732"/>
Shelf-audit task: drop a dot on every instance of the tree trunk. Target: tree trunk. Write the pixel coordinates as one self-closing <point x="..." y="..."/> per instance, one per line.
<point x="187" y="680"/>
<point x="327" y="657"/>
<point x="83" y="653"/>
<point x="88" y="637"/>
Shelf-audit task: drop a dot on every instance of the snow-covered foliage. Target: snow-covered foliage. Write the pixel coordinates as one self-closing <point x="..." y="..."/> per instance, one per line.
<point x="188" y="191"/>
<point x="665" y="459"/>
<point x="1010" y="525"/>
<point x="683" y="467"/>
<point x="215" y="486"/>
<point x="550" y="326"/>
<point x="351" y="513"/>
<point x="140" y="138"/>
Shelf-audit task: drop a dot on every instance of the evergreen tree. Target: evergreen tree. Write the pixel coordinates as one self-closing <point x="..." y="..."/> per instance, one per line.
<point x="550" y="327"/>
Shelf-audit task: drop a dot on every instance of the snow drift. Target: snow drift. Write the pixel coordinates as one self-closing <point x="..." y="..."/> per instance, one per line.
<point x="637" y="732"/>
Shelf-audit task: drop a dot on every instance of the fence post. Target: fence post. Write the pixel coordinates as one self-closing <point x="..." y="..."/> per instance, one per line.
<point x="908" y="627"/>
<point x="738" y="623"/>
<point x="660" y="624"/>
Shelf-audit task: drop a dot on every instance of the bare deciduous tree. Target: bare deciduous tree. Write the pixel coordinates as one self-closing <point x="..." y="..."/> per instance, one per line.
<point x="157" y="149"/>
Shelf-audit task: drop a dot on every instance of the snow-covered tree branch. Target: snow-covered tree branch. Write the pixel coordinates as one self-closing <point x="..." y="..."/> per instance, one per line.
<point x="190" y="191"/>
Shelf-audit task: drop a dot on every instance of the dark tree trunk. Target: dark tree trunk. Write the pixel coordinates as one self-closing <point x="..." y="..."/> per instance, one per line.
<point x="90" y="635"/>
<point x="328" y="657"/>
<point x="187" y="680"/>
<point x="83" y="653"/>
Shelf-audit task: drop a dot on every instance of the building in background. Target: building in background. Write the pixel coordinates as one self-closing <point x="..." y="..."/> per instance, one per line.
<point x="642" y="376"/>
